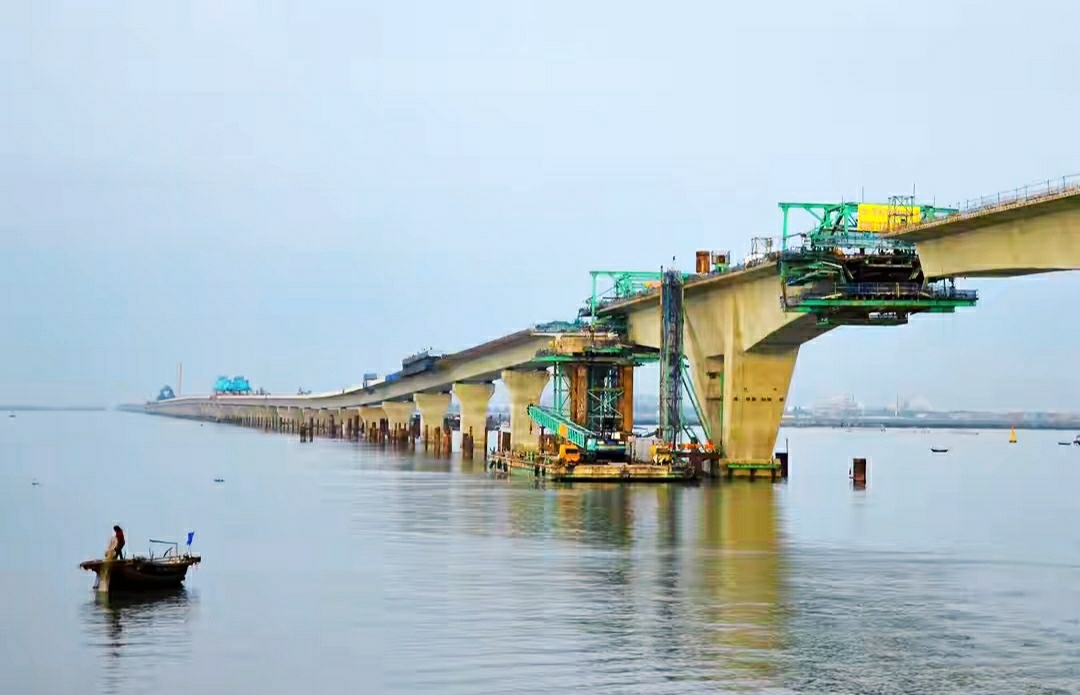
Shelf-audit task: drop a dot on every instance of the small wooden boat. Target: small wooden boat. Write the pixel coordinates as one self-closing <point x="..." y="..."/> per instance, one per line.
<point x="142" y="573"/>
<point x="939" y="451"/>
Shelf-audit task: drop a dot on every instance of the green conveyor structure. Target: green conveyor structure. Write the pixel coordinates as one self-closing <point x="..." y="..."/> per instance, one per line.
<point x="584" y="439"/>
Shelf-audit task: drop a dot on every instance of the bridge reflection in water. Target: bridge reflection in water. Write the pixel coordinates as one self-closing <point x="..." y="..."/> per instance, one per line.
<point x="690" y="579"/>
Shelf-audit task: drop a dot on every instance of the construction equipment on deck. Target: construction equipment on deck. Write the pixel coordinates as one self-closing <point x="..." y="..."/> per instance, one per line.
<point x="678" y="444"/>
<point x="590" y="445"/>
<point x="846" y="270"/>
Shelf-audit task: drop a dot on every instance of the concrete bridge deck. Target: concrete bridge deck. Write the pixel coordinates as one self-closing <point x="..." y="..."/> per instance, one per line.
<point x="1036" y="234"/>
<point x="740" y="340"/>
<point x="480" y="363"/>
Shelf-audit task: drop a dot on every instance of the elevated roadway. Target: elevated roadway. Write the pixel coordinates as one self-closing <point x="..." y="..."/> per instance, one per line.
<point x="741" y="338"/>
<point x="742" y="342"/>
<point x="469" y="374"/>
<point x="1039" y="233"/>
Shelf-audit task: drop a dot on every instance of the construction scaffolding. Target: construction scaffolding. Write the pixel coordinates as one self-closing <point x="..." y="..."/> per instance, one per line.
<point x="593" y="389"/>
<point x="847" y="269"/>
<point x="671" y="358"/>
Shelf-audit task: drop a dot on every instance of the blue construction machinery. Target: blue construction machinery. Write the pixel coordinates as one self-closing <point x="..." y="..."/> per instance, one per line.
<point x="234" y="386"/>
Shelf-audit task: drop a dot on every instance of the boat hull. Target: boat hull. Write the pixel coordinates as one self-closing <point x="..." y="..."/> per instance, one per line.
<point x="140" y="574"/>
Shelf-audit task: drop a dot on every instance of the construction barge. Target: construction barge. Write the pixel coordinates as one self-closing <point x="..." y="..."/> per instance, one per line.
<point x="692" y="466"/>
<point x="563" y="472"/>
<point x="587" y="434"/>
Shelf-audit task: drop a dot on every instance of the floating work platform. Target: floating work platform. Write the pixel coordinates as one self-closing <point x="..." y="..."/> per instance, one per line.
<point x="768" y="468"/>
<point x="548" y="469"/>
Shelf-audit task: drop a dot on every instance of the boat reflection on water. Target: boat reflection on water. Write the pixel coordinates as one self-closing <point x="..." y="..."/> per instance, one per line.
<point x="141" y="628"/>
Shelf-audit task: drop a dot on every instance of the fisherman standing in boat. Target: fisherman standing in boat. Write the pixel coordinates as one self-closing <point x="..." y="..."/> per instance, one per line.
<point x="115" y="551"/>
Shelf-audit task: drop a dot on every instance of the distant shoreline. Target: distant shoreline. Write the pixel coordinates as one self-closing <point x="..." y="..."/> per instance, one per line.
<point x="912" y="424"/>
<point x="52" y="408"/>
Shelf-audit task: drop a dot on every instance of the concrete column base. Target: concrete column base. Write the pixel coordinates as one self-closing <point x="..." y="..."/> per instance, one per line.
<point x="398" y="413"/>
<point x="525" y="388"/>
<point x="474" y="400"/>
<point x="747" y="391"/>
<point x="433" y="407"/>
<point x="370" y="416"/>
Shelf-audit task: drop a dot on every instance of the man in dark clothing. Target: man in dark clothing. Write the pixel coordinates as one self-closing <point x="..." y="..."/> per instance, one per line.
<point x="116" y="546"/>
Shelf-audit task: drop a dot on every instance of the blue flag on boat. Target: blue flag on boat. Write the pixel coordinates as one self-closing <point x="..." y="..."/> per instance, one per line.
<point x="190" y="535"/>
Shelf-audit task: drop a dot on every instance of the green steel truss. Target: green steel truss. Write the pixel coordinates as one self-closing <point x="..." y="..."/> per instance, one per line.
<point x="837" y="225"/>
<point x="602" y="394"/>
<point x="688" y="384"/>
<point x="563" y="426"/>
<point x="848" y="276"/>
<point x="560" y="383"/>
<point x="624" y="284"/>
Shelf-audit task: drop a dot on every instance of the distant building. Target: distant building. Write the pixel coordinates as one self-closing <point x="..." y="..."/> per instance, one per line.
<point x="837" y="406"/>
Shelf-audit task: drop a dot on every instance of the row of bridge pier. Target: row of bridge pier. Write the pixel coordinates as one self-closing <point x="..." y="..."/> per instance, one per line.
<point x="353" y="428"/>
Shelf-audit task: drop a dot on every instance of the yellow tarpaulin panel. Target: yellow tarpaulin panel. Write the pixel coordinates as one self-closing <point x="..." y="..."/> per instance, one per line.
<point x="875" y="217"/>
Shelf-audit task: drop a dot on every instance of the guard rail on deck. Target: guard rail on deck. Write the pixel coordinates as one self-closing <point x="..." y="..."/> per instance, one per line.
<point x="889" y="290"/>
<point x="1022" y="194"/>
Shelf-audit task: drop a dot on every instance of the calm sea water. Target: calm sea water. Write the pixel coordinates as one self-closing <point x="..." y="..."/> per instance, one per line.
<point x="338" y="568"/>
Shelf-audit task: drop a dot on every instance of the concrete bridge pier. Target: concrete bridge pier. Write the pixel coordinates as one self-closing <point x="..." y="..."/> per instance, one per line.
<point x="303" y="428"/>
<point x="754" y="398"/>
<point x="525" y="388"/>
<point x="742" y="350"/>
<point x="432" y="407"/>
<point x="354" y="424"/>
<point x="474" y="400"/>
<point x="398" y="414"/>
<point x="370" y="416"/>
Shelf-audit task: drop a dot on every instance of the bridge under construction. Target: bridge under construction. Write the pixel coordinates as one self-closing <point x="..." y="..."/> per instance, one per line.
<point x="725" y="338"/>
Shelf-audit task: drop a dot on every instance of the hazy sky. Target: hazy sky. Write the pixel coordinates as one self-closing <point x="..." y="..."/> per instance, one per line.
<point x="301" y="192"/>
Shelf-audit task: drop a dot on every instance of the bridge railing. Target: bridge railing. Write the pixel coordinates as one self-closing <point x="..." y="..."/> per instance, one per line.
<point x="1022" y="194"/>
<point x="887" y="290"/>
